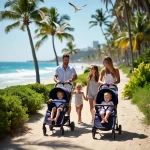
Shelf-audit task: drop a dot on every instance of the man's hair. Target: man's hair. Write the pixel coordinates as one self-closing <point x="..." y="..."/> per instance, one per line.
<point x="66" y="55"/>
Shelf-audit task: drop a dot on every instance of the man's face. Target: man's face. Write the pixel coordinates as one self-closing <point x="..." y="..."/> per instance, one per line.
<point x="65" y="61"/>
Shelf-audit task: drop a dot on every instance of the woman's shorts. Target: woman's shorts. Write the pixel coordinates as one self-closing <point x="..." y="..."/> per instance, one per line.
<point x="91" y="96"/>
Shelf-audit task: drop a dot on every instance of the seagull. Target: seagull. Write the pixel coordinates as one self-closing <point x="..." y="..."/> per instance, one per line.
<point x="44" y="18"/>
<point x="61" y="29"/>
<point x="75" y="8"/>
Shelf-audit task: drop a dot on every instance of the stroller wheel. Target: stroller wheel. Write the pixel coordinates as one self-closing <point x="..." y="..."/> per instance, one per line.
<point x="93" y="132"/>
<point x="62" y="131"/>
<point x="120" y="129"/>
<point x="113" y="133"/>
<point x="72" y="126"/>
<point x="44" y="130"/>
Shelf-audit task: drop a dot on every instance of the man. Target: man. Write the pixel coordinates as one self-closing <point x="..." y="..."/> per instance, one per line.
<point x="65" y="74"/>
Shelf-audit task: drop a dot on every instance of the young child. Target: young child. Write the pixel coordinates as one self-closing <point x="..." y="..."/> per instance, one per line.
<point x="107" y="98"/>
<point x="92" y="88"/>
<point x="58" y="106"/>
<point x="79" y="95"/>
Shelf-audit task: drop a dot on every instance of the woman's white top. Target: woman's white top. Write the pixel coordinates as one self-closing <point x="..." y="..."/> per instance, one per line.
<point x="108" y="78"/>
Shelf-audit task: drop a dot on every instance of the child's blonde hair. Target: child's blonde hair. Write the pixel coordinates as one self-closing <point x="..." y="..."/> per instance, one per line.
<point x="78" y="84"/>
<point x="107" y="93"/>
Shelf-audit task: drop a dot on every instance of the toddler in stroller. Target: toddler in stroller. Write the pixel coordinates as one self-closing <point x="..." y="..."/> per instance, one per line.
<point x="105" y="117"/>
<point x="57" y="108"/>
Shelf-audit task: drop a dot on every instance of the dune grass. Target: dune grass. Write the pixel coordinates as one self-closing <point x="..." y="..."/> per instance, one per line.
<point x="141" y="98"/>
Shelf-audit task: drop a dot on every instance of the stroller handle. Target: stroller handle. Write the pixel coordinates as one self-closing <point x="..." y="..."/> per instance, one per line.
<point x="63" y="83"/>
<point x="96" y="105"/>
<point x="107" y="86"/>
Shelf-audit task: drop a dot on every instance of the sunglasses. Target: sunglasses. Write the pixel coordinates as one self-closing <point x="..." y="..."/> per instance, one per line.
<point x="91" y="68"/>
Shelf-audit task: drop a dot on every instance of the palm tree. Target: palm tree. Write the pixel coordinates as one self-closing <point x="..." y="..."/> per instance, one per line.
<point x="23" y="12"/>
<point x="140" y="27"/>
<point x="49" y="28"/>
<point x="70" y="49"/>
<point x="147" y="6"/>
<point x="114" y="11"/>
<point x="100" y="19"/>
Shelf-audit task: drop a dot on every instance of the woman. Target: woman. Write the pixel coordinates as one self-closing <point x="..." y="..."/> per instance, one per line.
<point x="109" y="74"/>
<point x="92" y="88"/>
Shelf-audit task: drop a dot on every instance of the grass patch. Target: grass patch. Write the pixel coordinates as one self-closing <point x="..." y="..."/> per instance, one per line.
<point x="126" y="70"/>
<point x="141" y="98"/>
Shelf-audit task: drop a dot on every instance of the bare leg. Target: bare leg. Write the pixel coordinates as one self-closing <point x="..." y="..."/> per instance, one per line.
<point x="77" y="110"/>
<point x="107" y="116"/>
<point x="58" y="114"/>
<point x="80" y="110"/>
<point x="91" y="107"/>
<point x="69" y="110"/>
<point x="102" y="116"/>
<point x="52" y="113"/>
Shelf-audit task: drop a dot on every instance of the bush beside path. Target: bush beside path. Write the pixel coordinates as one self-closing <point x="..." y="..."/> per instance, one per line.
<point x="135" y="135"/>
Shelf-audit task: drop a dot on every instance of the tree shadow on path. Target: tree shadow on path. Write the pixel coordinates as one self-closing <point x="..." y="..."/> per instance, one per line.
<point x="125" y="136"/>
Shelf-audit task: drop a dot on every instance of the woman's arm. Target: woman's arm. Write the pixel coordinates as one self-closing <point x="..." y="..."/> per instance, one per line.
<point x="117" y="76"/>
<point x="101" y="76"/>
<point x="84" y="96"/>
<point x="87" y="87"/>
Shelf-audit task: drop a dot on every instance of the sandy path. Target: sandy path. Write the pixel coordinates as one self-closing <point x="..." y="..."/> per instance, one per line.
<point x="135" y="136"/>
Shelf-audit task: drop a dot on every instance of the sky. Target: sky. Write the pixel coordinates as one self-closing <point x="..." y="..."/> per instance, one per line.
<point x="15" y="45"/>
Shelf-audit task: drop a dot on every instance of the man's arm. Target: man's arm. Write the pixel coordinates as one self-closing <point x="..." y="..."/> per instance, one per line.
<point x="56" y="79"/>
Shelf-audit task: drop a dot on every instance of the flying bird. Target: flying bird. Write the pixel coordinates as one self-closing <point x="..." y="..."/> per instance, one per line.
<point x="75" y="8"/>
<point x="60" y="29"/>
<point x="43" y="16"/>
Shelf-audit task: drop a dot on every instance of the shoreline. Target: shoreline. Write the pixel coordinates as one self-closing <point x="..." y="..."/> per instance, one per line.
<point x="79" y="69"/>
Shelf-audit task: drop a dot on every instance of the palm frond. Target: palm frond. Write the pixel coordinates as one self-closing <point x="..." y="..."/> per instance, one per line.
<point x="9" y="15"/>
<point x="12" y="26"/>
<point x="40" y="42"/>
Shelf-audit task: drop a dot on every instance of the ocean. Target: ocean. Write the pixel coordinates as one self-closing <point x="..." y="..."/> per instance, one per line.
<point x="19" y="73"/>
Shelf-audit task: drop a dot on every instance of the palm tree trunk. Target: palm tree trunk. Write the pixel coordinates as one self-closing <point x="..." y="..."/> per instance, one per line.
<point x="56" y="57"/>
<point x="34" y="56"/>
<point x="104" y="35"/>
<point x="129" y="31"/>
<point x="147" y="6"/>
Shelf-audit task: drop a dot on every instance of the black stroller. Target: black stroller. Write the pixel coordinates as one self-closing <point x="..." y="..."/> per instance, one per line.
<point x="62" y="120"/>
<point x="113" y="120"/>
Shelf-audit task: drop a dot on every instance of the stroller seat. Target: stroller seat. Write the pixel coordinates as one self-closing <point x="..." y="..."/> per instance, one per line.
<point x="63" y="119"/>
<point x="112" y="120"/>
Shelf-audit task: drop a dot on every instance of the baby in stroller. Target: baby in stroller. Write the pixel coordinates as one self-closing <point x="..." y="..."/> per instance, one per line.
<point x="57" y="106"/>
<point x="59" y="98"/>
<point x="107" y="107"/>
<point x="105" y="117"/>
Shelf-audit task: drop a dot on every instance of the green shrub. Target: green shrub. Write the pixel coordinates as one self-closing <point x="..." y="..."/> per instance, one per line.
<point x="12" y="113"/>
<point x="145" y="59"/>
<point x="87" y="70"/>
<point x="41" y="89"/>
<point x="82" y="78"/>
<point x="29" y="98"/>
<point x="142" y="97"/>
<point x="140" y="76"/>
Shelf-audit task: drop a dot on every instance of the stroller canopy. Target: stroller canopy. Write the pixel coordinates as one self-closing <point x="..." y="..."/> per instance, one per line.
<point x="100" y="96"/>
<point x="53" y="93"/>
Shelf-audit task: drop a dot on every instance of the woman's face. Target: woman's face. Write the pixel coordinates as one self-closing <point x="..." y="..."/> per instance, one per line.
<point x="105" y="63"/>
<point x="92" y="69"/>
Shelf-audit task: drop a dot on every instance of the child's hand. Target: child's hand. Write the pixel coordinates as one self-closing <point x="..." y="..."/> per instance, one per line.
<point x="99" y="107"/>
<point x="50" y="100"/>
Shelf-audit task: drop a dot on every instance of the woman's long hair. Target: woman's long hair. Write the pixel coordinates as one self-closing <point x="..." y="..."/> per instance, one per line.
<point x="96" y="73"/>
<point x="109" y="68"/>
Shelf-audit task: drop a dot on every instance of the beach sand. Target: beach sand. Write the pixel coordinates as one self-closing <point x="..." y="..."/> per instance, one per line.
<point x="135" y="135"/>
